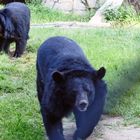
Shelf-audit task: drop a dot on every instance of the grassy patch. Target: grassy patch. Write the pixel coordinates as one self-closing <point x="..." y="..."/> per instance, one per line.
<point x="116" y="49"/>
<point x="19" y="111"/>
<point x="41" y="14"/>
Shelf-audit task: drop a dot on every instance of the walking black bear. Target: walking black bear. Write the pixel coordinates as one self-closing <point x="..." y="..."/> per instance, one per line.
<point x="14" y="27"/>
<point x="66" y="82"/>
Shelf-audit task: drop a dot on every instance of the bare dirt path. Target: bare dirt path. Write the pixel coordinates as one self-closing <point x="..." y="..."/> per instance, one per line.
<point x="75" y="24"/>
<point x="109" y="128"/>
<point x="72" y="24"/>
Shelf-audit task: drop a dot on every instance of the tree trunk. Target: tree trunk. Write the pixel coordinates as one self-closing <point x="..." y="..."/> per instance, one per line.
<point x="108" y="5"/>
<point x="136" y="5"/>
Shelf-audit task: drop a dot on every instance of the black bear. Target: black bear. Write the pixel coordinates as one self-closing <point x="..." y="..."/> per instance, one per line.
<point x="66" y="82"/>
<point x="14" y="27"/>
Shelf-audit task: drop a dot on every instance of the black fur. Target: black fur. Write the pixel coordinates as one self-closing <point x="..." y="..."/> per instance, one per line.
<point x="9" y="1"/>
<point x="65" y="78"/>
<point x="14" y="27"/>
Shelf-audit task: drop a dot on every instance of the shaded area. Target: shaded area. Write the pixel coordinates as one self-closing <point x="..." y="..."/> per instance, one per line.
<point x="118" y="89"/>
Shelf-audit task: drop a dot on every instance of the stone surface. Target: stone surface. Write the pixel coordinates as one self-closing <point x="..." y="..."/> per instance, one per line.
<point x="75" y="6"/>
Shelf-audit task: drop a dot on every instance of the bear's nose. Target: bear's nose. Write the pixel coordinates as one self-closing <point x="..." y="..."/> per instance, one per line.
<point x="83" y="104"/>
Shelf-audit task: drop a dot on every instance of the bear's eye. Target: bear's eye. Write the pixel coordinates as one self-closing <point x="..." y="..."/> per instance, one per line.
<point x="74" y="92"/>
<point x="87" y="88"/>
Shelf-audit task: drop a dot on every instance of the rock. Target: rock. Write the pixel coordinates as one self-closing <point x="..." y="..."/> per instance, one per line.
<point x="75" y="6"/>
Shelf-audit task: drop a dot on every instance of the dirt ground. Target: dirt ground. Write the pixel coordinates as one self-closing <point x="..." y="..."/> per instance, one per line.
<point x="109" y="128"/>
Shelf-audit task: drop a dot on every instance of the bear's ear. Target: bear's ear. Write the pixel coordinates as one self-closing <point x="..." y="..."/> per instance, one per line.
<point x="58" y="76"/>
<point x="101" y="73"/>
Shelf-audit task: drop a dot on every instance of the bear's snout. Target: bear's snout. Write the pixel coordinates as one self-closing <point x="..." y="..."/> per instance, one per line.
<point x="82" y="101"/>
<point x="83" y="104"/>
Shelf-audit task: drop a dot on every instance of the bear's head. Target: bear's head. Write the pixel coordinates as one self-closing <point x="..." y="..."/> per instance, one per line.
<point x="77" y="87"/>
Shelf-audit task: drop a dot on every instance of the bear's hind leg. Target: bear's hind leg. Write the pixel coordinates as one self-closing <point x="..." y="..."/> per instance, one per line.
<point x="20" y="48"/>
<point x="6" y="47"/>
<point x="1" y="44"/>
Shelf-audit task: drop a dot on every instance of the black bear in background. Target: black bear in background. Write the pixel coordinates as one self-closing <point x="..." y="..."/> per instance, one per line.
<point x="66" y="82"/>
<point x="8" y="1"/>
<point x="14" y="27"/>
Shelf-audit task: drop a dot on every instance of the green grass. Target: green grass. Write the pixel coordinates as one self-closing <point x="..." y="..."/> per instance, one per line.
<point x="41" y="14"/>
<point x="115" y="49"/>
<point x="17" y="100"/>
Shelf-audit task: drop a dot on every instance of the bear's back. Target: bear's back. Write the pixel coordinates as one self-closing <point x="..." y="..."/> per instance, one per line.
<point x="18" y="9"/>
<point x="15" y="5"/>
<point x="59" y="47"/>
<point x="60" y="53"/>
